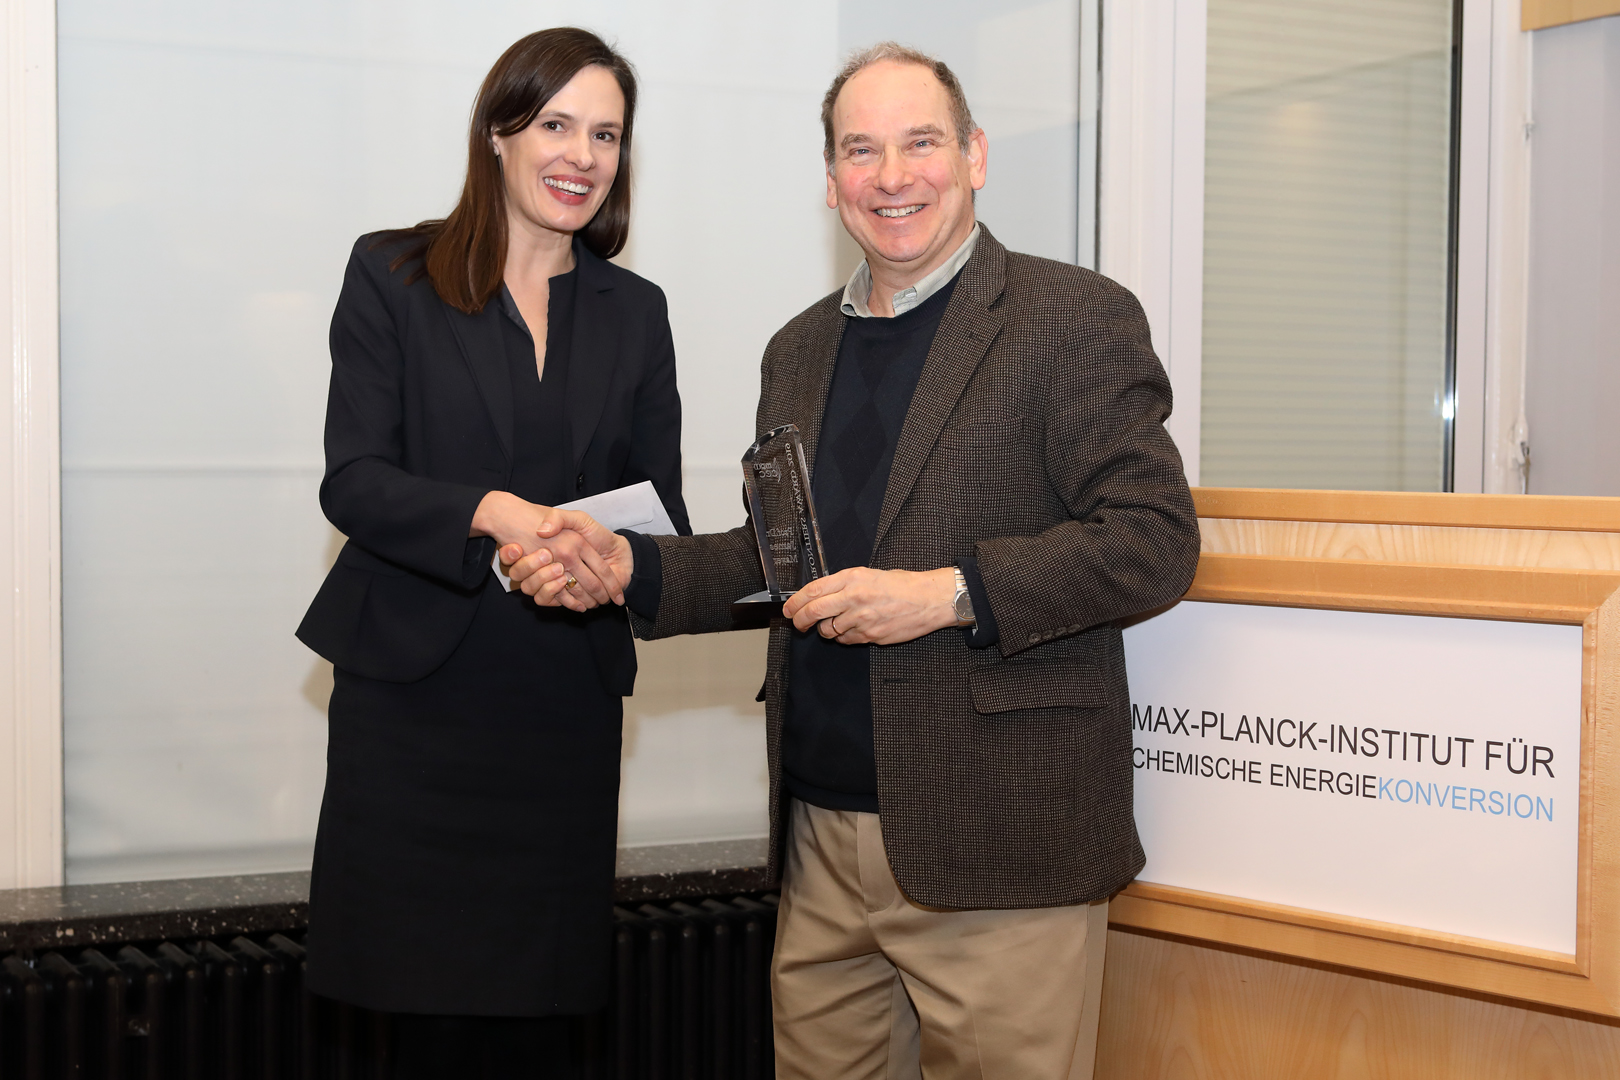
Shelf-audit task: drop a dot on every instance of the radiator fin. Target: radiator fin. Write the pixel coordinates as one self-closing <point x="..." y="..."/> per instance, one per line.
<point x="690" y="1001"/>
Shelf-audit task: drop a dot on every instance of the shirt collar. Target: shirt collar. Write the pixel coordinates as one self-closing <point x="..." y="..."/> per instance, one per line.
<point x="509" y="305"/>
<point x="859" y="288"/>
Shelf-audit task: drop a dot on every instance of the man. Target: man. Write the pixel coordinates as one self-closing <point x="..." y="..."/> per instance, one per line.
<point x="947" y="716"/>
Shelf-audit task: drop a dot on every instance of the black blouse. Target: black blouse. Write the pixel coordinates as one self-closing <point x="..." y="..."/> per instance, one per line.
<point x="540" y="471"/>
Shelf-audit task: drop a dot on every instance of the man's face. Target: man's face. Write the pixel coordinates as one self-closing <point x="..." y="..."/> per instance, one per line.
<point x="899" y="179"/>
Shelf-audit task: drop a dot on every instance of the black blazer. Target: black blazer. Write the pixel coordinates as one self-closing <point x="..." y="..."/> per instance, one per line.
<point x="419" y="429"/>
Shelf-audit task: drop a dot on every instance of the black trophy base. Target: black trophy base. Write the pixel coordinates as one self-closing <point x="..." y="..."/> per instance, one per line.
<point x="758" y="609"/>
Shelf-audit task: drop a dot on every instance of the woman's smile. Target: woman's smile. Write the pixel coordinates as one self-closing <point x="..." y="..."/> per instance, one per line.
<point x="570" y="190"/>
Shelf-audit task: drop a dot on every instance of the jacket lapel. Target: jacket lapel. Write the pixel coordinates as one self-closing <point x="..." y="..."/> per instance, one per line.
<point x="964" y="336"/>
<point x="813" y="381"/>
<point x="479" y="336"/>
<point x="593" y="350"/>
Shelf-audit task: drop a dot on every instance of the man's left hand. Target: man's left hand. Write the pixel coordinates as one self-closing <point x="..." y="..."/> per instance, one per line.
<point x="862" y="606"/>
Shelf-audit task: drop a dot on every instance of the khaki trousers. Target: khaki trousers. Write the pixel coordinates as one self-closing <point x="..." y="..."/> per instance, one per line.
<point x="867" y="985"/>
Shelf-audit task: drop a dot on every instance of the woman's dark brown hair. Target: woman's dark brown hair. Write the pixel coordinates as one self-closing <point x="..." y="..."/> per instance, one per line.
<point x="464" y="255"/>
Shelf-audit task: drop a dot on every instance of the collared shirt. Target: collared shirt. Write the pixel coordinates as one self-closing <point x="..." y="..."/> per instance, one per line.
<point x="859" y="289"/>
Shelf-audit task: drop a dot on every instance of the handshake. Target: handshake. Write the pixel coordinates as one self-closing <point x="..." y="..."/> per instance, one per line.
<point x="566" y="558"/>
<point x="562" y="558"/>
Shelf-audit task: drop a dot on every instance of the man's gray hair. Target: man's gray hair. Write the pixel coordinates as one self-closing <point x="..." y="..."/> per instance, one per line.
<point x="961" y="116"/>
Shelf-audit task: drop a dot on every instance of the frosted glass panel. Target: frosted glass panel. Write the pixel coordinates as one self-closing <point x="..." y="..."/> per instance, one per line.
<point x="1326" y="217"/>
<point x="217" y="162"/>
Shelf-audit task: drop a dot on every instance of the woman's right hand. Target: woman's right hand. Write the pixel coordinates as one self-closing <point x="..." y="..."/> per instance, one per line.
<point x="522" y="528"/>
<point x="566" y="536"/>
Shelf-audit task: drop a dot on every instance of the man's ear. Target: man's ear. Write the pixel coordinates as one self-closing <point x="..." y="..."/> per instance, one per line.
<point x="832" y="189"/>
<point x="978" y="158"/>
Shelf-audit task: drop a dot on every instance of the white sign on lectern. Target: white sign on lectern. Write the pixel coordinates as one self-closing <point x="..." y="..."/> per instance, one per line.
<point x="1409" y="769"/>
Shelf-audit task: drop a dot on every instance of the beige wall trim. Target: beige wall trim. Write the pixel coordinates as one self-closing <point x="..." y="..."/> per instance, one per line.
<point x="1540" y="14"/>
<point x="1546" y="512"/>
<point x="30" y="473"/>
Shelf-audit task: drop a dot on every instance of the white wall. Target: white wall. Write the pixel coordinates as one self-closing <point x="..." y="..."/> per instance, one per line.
<point x="1572" y="376"/>
<point x="217" y="161"/>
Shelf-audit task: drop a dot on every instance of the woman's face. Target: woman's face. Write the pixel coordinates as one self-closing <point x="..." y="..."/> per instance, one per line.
<point x="559" y="169"/>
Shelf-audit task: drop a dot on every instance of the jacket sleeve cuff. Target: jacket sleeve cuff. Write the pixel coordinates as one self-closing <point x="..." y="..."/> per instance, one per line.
<point x="983" y="633"/>
<point x="646" y="586"/>
<point x="475" y="561"/>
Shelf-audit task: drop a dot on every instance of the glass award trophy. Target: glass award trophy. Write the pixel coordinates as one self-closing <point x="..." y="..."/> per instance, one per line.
<point x="778" y="482"/>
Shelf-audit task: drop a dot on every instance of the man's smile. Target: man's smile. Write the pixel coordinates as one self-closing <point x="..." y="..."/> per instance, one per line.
<point x="899" y="211"/>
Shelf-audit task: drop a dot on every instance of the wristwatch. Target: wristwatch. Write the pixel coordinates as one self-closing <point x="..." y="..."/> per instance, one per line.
<point x="963" y="602"/>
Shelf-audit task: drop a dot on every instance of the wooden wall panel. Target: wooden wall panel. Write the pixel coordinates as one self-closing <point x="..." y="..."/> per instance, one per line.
<point x="1541" y="548"/>
<point x="1540" y="14"/>
<point x="1173" y="1010"/>
<point x="1577" y="512"/>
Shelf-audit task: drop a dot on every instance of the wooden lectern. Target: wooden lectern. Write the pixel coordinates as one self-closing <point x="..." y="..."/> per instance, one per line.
<point x="1206" y="985"/>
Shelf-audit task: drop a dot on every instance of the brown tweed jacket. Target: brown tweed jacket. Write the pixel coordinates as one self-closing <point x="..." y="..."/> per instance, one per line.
<point x="1036" y="441"/>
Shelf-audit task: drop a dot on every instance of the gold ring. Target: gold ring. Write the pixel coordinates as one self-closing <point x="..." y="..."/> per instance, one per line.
<point x="571" y="582"/>
<point x="834" y="622"/>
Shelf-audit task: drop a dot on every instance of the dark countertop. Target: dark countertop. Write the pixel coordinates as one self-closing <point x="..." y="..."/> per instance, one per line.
<point x="76" y="915"/>
<point x="68" y="915"/>
<point x="671" y="871"/>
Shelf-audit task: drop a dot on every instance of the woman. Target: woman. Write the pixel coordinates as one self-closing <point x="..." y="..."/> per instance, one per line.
<point x="484" y="368"/>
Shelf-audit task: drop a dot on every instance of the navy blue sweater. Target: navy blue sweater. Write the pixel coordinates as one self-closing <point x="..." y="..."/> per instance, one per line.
<point x="827" y="753"/>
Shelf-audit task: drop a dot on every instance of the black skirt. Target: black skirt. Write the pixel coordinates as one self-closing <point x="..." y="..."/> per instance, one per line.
<point x="464" y="860"/>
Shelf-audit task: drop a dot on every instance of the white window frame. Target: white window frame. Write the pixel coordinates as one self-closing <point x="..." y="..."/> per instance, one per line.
<point x="1151" y="214"/>
<point x="1493" y="247"/>
<point x="31" y="851"/>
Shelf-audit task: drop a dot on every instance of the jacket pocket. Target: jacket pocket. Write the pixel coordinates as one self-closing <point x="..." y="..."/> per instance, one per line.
<point x="983" y="434"/>
<point x="356" y="557"/>
<point x="1036" y="684"/>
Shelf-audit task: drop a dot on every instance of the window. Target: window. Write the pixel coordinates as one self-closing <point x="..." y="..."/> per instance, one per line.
<point x="216" y="162"/>
<point x="1327" y="271"/>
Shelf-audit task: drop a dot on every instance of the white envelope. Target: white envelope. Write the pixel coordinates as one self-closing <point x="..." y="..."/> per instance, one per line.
<point x="635" y="507"/>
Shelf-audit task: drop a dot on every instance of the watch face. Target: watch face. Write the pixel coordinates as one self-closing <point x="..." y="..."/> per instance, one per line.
<point x="964" y="606"/>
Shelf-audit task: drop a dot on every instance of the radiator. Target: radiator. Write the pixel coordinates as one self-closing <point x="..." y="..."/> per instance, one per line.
<point x="691" y="993"/>
<point x="690" y="1001"/>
